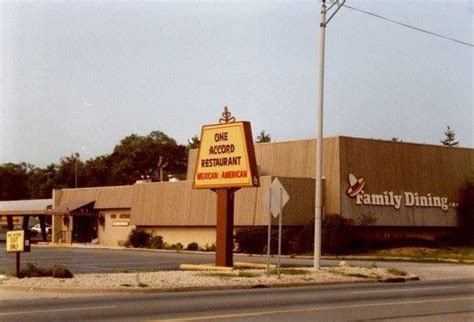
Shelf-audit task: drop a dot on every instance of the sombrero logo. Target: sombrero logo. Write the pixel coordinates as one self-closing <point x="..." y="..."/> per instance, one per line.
<point x="356" y="185"/>
<point x="395" y="200"/>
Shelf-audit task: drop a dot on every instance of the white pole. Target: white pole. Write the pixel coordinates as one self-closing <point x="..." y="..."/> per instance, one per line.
<point x="279" y="231"/>
<point x="319" y="144"/>
<point x="269" y="234"/>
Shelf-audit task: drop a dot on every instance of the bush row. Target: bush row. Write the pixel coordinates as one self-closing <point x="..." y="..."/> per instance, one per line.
<point x="56" y="272"/>
<point x="336" y="235"/>
<point x="142" y="239"/>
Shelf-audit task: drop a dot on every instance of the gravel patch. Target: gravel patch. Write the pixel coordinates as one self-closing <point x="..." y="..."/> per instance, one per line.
<point x="189" y="280"/>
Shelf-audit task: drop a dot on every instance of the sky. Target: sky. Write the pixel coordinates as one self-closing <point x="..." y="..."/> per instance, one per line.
<point x="78" y="76"/>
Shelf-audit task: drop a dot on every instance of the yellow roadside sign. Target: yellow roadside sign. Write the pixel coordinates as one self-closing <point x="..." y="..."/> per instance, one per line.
<point x="15" y="241"/>
<point x="226" y="157"/>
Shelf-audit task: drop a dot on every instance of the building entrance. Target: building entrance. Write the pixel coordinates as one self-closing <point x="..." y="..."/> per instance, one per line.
<point x="84" y="228"/>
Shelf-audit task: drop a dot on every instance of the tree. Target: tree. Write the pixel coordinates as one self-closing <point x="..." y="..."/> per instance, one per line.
<point x="263" y="137"/>
<point x="193" y="143"/>
<point x="41" y="181"/>
<point x="14" y="181"/>
<point x="96" y="172"/>
<point x="69" y="168"/>
<point x="137" y="156"/>
<point x="450" y="138"/>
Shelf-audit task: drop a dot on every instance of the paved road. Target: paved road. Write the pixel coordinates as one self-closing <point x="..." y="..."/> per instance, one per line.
<point x="86" y="260"/>
<point x="423" y="301"/>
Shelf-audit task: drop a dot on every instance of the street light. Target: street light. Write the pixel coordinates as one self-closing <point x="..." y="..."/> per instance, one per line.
<point x="319" y="132"/>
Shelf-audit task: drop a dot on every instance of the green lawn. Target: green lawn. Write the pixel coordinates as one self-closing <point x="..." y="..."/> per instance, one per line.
<point x="423" y="253"/>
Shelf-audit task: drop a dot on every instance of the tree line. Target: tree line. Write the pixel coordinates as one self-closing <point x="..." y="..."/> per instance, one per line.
<point x="135" y="157"/>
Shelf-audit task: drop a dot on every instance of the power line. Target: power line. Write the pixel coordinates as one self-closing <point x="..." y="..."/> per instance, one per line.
<point x="409" y="26"/>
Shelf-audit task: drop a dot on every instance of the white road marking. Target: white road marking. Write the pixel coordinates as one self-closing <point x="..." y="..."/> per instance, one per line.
<point x="404" y="289"/>
<point x="61" y="310"/>
<point x="238" y="315"/>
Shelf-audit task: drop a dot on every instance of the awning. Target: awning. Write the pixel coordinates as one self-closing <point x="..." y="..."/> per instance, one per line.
<point x="77" y="207"/>
<point x="32" y="207"/>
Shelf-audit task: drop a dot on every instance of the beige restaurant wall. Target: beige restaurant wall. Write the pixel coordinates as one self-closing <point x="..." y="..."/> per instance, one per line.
<point x="177" y="204"/>
<point x="185" y="235"/>
<point x="110" y="235"/>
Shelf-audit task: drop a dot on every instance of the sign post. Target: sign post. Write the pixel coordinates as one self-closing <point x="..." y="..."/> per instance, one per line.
<point x="280" y="219"/>
<point x="17" y="241"/>
<point x="226" y="162"/>
<point x="276" y="202"/>
<point x="269" y="234"/>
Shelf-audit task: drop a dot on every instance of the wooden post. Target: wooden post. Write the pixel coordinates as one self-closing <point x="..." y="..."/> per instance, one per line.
<point x="26" y="220"/>
<point x="10" y="222"/>
<point x="43" y="227"/>
<point x="18" y="265"/>
<point x="225" y="227"/>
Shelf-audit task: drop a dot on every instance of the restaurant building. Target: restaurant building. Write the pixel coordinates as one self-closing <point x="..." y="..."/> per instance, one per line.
<point x="395" y="189"/>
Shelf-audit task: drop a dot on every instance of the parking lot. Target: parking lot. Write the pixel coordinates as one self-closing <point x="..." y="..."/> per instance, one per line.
<point x="83" y="260"/>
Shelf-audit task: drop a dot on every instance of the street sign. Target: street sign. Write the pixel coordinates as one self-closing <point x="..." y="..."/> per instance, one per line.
<point x="276" y="197"/>
<point x="15" y="241"/>
<point x="18" y="241"/>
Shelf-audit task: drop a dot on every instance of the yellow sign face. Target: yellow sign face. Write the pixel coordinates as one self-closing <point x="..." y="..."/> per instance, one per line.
<point x="226" y="157"/>
<point x="15" y="241"/>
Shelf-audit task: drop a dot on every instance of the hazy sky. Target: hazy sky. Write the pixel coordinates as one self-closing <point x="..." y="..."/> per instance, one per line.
<point x="80" y="76"/>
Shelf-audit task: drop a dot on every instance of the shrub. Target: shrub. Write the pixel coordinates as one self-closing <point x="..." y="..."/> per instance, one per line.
<point x="138" y="238"/>
<point x="193" y="246"/>
<point x="253" y="240"/>
<point x="177" y="246"/>
<point x="33" y="271"/>
<point x="155" y="242"/>
<point x="61" y="272"/>
<point x="466" y="213"/>
<point x="56" y="272"/>
<point x="336" y="236"/>
<point x="209" y="248"/>
<point x="124" y="243"/>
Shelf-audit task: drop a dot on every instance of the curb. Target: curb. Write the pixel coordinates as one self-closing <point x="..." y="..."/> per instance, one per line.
<point x="181" y="289"/>
<point x="212" y="267"/>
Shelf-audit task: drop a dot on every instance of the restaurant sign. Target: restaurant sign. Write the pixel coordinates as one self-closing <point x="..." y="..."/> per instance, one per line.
<point x="226" y="157"/>
<point x="394" y="199"/>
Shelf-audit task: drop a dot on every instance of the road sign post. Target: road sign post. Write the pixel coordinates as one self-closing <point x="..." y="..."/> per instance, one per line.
<point x="269" y="234"/>
<point x="280" y="221"/>
<point x="275" y="202"/>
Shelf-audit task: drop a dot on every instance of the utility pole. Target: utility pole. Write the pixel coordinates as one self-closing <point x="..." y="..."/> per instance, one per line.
<point x="75" y="171"/>
<point x="319" y="132"/>
<point x="75" y="156"/>
<point x="161" y="165"/>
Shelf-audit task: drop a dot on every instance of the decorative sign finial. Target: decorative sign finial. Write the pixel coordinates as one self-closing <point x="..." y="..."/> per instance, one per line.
<point x="226" y="116"/>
